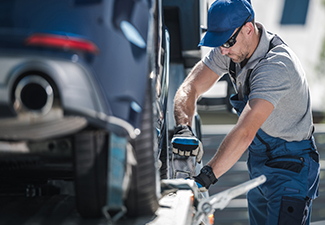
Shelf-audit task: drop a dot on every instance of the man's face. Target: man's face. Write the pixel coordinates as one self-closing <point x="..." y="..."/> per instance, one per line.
<point x="239" y="51"/>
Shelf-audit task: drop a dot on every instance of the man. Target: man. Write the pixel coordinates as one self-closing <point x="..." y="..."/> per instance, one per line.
<point x="275" y="120"/>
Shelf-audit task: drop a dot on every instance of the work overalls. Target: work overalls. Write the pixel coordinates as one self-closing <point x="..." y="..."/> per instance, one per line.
<point x="291" y="169"/>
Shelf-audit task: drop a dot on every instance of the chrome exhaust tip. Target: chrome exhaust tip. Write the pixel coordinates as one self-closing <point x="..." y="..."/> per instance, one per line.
<point x="34" y="94"/>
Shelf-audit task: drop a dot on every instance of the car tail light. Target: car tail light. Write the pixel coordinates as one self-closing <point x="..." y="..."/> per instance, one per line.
<point x="61" y="41"/>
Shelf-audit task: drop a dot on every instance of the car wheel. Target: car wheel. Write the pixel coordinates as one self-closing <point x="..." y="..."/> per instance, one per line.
<point x="142" y="196"/>
<point x="90" y="171"/>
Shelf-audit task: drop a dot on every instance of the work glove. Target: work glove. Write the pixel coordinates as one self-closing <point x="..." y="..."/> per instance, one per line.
<point x="205" y="178"/>
<point x="185" y="143"/>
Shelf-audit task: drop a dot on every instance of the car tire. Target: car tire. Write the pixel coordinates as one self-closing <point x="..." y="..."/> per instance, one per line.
<point x="90" y="161"/>
<point x="90" y="157"/>
<point x="142" y="196"/>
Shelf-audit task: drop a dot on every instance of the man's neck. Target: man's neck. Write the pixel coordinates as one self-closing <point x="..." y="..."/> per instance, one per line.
<point x="255" y="42"/>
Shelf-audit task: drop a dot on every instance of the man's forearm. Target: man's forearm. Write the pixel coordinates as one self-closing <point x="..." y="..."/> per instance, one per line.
<point x="241" y="136"/>
<point x="197" y="82"/>
<point x="230" y="151"/>
<point x="184" y="107"/>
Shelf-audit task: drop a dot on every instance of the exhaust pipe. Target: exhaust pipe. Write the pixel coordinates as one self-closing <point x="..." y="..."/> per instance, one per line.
<point x="34" y="94"/>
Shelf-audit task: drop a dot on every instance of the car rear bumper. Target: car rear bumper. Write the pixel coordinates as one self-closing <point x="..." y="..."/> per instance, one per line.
<point x="78" y="99"/>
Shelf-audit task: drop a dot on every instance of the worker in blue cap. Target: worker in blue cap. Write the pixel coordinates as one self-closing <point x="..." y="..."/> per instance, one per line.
<point x="275" y="119"/>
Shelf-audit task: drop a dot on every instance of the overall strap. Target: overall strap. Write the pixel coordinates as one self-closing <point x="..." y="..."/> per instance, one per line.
<point x="232" y="70"/>
<point x="275" y="41"/>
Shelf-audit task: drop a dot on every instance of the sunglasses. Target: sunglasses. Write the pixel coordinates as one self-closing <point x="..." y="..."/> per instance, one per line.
<point x="232" y="40"/>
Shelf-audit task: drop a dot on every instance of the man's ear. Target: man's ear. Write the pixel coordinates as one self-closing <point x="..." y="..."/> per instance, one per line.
<point x="249" y="28"/>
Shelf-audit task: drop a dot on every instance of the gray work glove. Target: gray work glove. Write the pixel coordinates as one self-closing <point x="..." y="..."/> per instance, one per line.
<point x="185" y="143"/>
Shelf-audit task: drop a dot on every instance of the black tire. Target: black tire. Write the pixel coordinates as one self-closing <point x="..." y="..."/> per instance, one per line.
<point x="142" y="196"/>
<point x="90" y="154"/>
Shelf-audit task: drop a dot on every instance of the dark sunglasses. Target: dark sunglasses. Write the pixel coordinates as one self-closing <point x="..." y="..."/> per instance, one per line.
<point x="232" y="40"/>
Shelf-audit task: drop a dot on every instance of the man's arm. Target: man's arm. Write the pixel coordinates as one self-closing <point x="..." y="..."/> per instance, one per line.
<point x="240" y="137"/>
<point x="198" y="81"/>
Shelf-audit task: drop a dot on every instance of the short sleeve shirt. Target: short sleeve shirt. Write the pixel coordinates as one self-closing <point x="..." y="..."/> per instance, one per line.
<point x="278" y="77"/>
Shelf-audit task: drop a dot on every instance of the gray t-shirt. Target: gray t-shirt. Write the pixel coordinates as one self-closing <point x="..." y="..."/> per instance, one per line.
<point x="278" y="77"/>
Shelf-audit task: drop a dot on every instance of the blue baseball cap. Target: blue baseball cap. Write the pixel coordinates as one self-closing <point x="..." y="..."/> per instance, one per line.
<point x="224" y="17"/>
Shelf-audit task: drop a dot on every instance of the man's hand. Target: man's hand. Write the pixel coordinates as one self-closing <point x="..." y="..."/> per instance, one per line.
<point x="205" y="178"/>
<point x="185" y="143"/>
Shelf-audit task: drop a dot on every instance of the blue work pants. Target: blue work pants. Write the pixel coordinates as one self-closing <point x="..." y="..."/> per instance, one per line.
<point x="292" y="173"/>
